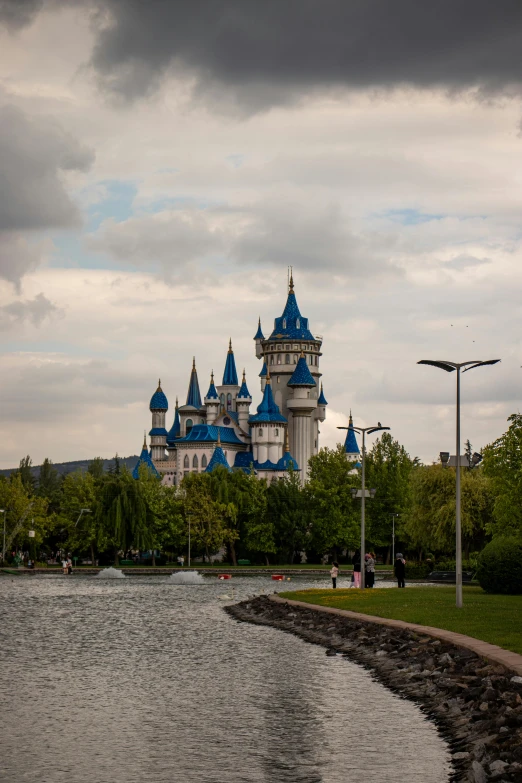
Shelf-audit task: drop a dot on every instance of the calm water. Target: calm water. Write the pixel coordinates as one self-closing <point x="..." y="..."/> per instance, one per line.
<point x="141" y="680"/>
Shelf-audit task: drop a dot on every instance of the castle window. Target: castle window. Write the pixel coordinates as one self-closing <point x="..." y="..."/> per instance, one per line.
<point x="271" y="347"/>
<point x="186" y="463"/>
<point x="279" y="379"/>
<point x="298" y="324"/>
<point x="310" y="359"/>
<point x="287" y="358"/>
<point x="277" y="433"/>
<point x="204" y="461"/>
<point x="260" y="432"/>
<point x="222" y="398"/>
<point x="229" y="402"/>
<point x="295" y="358"/>
<point x="189" y="425"/>
<point x="279" y="358"/>
<point x="271" y="360"/>
<point x="284" y="323"/>
<point x="296" y="347"/>
<point x="195" y="463"/>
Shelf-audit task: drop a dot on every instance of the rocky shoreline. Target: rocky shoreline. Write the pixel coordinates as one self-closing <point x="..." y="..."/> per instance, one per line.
<point x="475" y="704"/>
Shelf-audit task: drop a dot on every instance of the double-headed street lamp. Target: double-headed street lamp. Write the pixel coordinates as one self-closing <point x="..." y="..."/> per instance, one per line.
<point x="451" y="367"/>
<point x="363" y="491"/>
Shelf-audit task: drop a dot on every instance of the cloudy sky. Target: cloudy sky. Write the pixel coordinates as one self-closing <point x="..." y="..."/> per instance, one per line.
<point x="162" y="163"/>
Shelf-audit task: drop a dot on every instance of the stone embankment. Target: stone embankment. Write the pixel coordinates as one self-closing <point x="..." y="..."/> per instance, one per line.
<point x="476" y="704"/>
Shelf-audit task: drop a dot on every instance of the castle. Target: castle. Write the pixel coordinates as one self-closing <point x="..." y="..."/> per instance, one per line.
<point x="220" y="429"/>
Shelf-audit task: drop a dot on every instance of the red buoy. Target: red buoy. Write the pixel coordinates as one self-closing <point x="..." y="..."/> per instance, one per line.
<point x="224" y="576"/>
<point x="278" y="577"/>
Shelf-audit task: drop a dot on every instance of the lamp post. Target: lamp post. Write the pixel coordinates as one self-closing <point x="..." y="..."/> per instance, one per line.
<point x="189" y="542"/>
<point x="363" y="431"/>
<point x="82" y="511"/>
<point x="3" y="511"/>
<point x="451" y="367"/>
<point x="393" y="516"/>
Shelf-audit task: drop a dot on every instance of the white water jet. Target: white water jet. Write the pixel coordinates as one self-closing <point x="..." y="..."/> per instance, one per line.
<point x="186" y="578"/>
<point x="110" y="573"/>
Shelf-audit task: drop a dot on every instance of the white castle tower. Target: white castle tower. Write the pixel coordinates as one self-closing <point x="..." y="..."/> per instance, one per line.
<point x="292" y="355"/>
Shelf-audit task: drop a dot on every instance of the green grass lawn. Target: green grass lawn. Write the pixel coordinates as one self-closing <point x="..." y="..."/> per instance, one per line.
<point x="493" y="618"/>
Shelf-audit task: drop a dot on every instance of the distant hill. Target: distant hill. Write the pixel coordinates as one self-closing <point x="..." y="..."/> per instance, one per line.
<point x="81" y="464"/>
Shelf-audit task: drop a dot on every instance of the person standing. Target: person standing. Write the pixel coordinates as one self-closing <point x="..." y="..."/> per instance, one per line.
<point x="400" y="570"/>
<point x="370" y="569"/>
<point x="357" y="569"/>
<point x="334" y="573"/>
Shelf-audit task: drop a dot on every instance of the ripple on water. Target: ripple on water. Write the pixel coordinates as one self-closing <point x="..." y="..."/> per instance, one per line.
<point x="129" y="681"/>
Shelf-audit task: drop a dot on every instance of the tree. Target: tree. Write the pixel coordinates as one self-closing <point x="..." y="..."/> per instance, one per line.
<point x="333" y="517"/>
<point x="81" y="490"/>
<point x="49" y="484"/>
<point x="211" y="526"/>
<point x="388" y="470"/>
<point x="123" y="513"/>
<point x="96" y="467"/>
<point x="25" y="471"/>
<point x="502" y="464"/>
<point x="286" y="515"/>
<point x="23" y="512"/>
<point x="430" y="520"/>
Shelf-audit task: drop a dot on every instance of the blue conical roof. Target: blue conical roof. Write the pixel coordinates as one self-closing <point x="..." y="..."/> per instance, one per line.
<point x="259" y="334"/>
<point x="158" y="401"/>
<point x="264" y="371"/>
<point x="230" y="374"/>
<point x="291" y="325"/>
<point x="322" y="398"/>
<point x="301" y="375"/>
<point x="267" y="410"/>
<point x="243" y="392"/>
<point x="144" y="459"/>
<point x="287" y="460"/>
<point x="218" y="458"/>
<point x="212" y="392"/>
<point x="350" y="444"/>
<point x="175" y="430"/>
<point x="193" y="395"/>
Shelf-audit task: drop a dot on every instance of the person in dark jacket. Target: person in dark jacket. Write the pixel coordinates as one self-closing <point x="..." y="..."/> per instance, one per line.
<point x="357" y="569"/>
<point x="400" y="570"/>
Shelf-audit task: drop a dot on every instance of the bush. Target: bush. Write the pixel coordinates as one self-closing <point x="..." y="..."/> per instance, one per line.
<point x="417" y="570"/>
<point x="500" y="566"/>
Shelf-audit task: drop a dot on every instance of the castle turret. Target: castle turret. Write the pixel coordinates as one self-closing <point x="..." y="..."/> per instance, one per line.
<point x="229" y="389"/>
<point x="321" y="406"/>
<point x="193" y="412"/>
<point x="218" y="458"/>
<point x="158" y="407"/>
<point x="351" y="446"/>
<point x="259" y="337"/>
<point x="243" y="403"/>
<point x="175" y="430"/>
<point x="212" y="401"/>
<point x="146" y="460"/>
<point x="302" y="404"/>
<point x="267" y="428"/>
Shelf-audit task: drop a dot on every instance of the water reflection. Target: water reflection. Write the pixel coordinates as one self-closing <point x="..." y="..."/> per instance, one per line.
<point x="140" y="679"/>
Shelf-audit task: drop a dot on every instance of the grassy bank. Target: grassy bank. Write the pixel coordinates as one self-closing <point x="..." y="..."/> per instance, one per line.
<point x="492" y="618"/>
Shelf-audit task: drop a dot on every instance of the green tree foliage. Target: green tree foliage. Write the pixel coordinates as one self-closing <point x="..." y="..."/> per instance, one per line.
<point x="388" y="470"/>
<point x="123" y="513"/>
<point x="85" y="530"/>
<point x="430" y="520"/>
<point x="500" y="566"/>
<point x="49" y="485"/>
<point x="23" y="512"/>
<point x="287" y="516"/>
<point x="503" y="465"/>
<point x="25" y="471"/>
<point x="333" y="516"/>
<point x="95" y="467"/>
<point x="212" y="522"/>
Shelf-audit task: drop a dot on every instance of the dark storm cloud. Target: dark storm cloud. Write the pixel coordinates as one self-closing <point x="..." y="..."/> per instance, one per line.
<point x="276" y="50"/>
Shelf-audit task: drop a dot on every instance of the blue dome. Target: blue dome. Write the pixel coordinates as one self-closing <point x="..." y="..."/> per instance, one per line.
<point x="158" y="401"/>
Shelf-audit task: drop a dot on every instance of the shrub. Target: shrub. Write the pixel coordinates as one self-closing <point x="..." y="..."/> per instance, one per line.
<point x="417" y="570"/>
<point x="500" y="566"/>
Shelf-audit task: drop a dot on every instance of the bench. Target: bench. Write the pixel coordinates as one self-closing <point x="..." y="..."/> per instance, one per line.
<point x="449" y="576"/>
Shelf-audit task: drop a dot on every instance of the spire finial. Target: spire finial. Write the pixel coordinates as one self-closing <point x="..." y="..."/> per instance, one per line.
<point x="230" y="346"/>
<point x="302" y="355"/>
<point x="159" y="384"/>
<point x="244" y="376"/>
<point x="211" y="377"/>
<point x="350" y="421"/>
<point x="268" y="379"/>
<point x="291" y="283"/>
<point x="176" y="402"/>
<point x="144" y="439"/>
<point x="287" y="441"/>
<point x="219" y="438"/>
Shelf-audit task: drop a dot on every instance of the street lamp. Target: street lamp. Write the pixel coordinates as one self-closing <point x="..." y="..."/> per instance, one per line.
<point x="82" y="511"/>
<point x="451" y="367"/>
<point x="363" y="491"/>
<point x="3" y="511"/>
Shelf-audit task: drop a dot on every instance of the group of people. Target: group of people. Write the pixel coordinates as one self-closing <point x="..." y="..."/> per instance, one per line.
<point x="67" y="566"/>
<point x="369" y="570"/>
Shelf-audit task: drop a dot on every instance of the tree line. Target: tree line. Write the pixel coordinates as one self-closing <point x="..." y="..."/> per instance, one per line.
<point x="265" y="522"/>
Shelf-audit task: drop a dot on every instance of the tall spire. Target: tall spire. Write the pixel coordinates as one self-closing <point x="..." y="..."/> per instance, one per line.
<point x="212" y="392"/>
<point x="350" y="444"/>
<point x="259" y="334"/>
<point x="193" y="394"/>
<point x="230" y="374"/>
<point x="291" y="282"/>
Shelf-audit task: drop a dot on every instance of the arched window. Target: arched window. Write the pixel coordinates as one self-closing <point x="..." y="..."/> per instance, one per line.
<point x="276" y="433"/>
<point x="204" y="461"/>
<point x="260" y="432"/>
<point x="189" y="425"/>
<point x="271" y="360"/>
<point x="186" y="463"/>
<point x="195" y="463"/>
<point x="284" y="323"/>
<point x="310" y="359"/>
<point x="287" y="358"/>
<point x="298" y="324"/>
<point x="229" y="402"/>
<point x="222" y="398"/>
<point x="279" y="358"/>
<point x="295" y="358"/>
